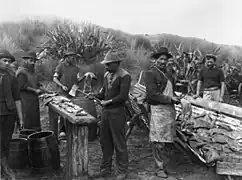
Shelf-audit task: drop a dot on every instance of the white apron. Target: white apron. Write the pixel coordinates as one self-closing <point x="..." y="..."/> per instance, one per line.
<point x="162" y="122"/>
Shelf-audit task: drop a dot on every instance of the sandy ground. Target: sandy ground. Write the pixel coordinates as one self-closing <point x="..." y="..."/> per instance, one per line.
<point x="141" y="166"/>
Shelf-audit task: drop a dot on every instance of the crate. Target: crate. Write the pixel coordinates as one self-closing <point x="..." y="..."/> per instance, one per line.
<point x="229" y="168"/>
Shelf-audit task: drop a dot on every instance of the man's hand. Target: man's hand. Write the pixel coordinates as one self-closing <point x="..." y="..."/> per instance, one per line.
<point x="64" y="88"/>
<point x="90" y="96"/>
<point x="38" y="91"/>
<point x="196" y="96"/>
<point x="105" y="103"/>
<point x="221" y="99"/>
<point x="20" y="122"/>
<point x="175" y="100"/>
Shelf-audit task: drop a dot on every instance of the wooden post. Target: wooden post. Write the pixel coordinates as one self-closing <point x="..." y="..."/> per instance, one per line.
<point x="53" y="120"/>
<point x="77" y="157"/>
<point x="77" y="140"/>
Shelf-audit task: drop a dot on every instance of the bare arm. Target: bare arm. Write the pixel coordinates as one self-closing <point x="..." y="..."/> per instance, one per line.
<point x="16" y="96"/>
<point x="56" y="80"/>
<point x="19" y="111"/>
<point x="199" y="85"/>
<point x="222" y="90"/>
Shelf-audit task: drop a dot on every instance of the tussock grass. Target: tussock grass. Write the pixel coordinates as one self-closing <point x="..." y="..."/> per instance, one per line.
<point x="91" y="42"/>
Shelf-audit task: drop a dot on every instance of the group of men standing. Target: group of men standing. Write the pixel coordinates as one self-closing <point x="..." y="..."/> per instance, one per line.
<point x="18" y="102"/>
<point x="22" y="87"/>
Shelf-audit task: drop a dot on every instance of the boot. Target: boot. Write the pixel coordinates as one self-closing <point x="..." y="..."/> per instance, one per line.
<point x="7" y="170"/>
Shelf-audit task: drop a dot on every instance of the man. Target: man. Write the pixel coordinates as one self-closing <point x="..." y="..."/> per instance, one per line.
<point x="160" y="97"/>
<point x="10" y="106"/>
<point x="65" y="77"/>
<point x="29" y="91"/>
<point x="212" y="79"/>
<point x="114" y="94"/>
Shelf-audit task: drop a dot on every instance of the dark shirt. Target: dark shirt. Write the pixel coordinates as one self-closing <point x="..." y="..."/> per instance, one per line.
<point x="155" y="83"/>
<point x="7" y="80"/>
<point x="119" y="92"/>
<point x="67" y="76"/>
<point x="211" y="77"/>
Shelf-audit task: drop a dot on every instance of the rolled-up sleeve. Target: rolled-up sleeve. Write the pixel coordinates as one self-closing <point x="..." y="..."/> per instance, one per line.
<point x="153" y="92"/>
<point x="58" y="70"/>
<point x="15" y="89"/>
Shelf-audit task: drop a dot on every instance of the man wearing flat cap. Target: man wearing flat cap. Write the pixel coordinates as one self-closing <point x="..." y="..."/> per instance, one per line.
<point x="211" y="78"/>
<point x="65" y="77"/>
<point x="160" y="96"/>
<point x="10" y="107"/>
<point x="114" y="94"/>
<point x="29" y="91"/>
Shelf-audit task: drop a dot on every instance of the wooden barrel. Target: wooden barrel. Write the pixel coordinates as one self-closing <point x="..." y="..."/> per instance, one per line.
<point x="44" y="152"/>
<point x="26" y="132"/>
<point x="90" y="107"/>
<point x="18" y="153"/>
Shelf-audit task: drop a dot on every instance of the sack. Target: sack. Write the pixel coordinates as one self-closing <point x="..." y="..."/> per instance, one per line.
<point x="139" y="90"/>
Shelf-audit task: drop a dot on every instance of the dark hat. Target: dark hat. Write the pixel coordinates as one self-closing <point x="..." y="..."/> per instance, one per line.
<point x="69" y="53"/>
<point x="30" y="55"/>
<point x="162" y="51"/>
<point x="211" y="56"/>
<point x="112" y="56"/>
<point x="5" y="54"/>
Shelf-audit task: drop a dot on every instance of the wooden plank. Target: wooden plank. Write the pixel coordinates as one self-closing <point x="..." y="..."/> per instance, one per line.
<point x="229" y="168"/>
<point x="223" y="108"/>
<point x="221" y="119"/>
<point x="81" y="120"/>
<point x="77" y="163"/>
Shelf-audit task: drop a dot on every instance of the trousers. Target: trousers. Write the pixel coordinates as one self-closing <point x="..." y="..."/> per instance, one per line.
<point x="112" y="137"/>
<point x="212" y="95"/>
<point x="7" y="125"/>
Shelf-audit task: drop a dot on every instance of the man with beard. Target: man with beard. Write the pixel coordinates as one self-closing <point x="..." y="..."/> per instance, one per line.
<point x="114" y="94"/>
<point x="160" y="96"/>
<point x="29" y="91"/>
<point x="10" y="106"/>
<point x="212" y="79"/>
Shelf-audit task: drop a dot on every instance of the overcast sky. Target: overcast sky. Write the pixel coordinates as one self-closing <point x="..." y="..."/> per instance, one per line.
<point x="219" y="21"/>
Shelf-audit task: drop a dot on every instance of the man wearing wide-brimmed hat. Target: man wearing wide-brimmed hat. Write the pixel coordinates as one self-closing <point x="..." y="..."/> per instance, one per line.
<point x="114" y="94"/>
<point x="10" y="106"/>
<point x="159" y="88"/>
<point x="29" y="91"/>
<point x="212" y="80"/>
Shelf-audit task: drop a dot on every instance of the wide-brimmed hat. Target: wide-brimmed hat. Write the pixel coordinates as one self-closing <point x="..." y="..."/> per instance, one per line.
<point x="30" y="55"/>
<point x="162" y="51"/>
<point x="5" y="54"/>
<point x="112" y="57"/>
<point x="211" y="56"/>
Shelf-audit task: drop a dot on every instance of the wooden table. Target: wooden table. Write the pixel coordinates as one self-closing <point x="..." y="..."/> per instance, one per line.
<point x="77" y="140"/>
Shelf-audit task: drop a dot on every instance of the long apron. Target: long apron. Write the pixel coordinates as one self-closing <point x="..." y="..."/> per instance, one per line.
<point x="30" y="104"/>
<point x="162" y="122"/>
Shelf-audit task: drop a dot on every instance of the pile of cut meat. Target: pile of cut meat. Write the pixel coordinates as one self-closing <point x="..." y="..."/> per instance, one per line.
<point x="65" y="104"/>
<point x="212" y="142"/>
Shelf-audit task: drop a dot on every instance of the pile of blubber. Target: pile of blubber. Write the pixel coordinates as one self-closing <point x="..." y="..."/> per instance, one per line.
<point x="212" y="142"/>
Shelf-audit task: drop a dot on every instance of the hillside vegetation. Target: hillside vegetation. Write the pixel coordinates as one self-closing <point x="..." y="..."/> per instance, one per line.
<point x="59" y="35"/>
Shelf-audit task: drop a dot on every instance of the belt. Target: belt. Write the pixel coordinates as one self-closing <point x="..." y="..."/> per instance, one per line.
<point x="211" y="89"/>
